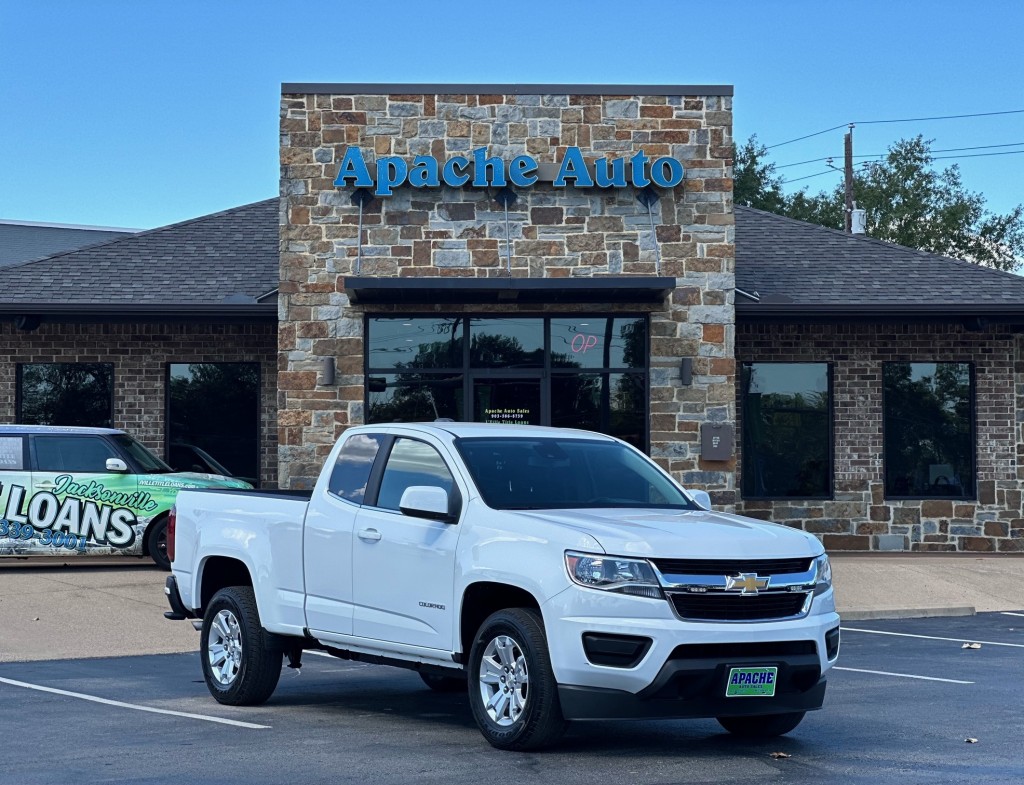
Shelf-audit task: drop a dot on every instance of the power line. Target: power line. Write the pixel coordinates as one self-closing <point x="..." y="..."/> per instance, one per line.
<point x="808" y="177"/>
<point x="943" y="150"/>
<point x="901" y="120"/>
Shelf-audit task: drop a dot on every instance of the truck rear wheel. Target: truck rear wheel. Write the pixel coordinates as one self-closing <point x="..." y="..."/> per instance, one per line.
<point x="766" y="726"/>
<point x="240" y="665"/>
<point x="512" y="687"/>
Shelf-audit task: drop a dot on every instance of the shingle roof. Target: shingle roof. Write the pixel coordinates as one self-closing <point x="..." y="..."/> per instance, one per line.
<point x="801" y="268"/>
<point x="223" y="262"/>
<point x="24" y="241"/>
<point x="204" y="263"/>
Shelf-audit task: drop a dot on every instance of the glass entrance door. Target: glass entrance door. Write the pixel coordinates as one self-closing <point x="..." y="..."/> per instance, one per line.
<point x="507" y="400"/>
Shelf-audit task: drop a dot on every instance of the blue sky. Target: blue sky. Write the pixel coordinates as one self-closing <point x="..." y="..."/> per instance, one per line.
<point x="140" y="113"/>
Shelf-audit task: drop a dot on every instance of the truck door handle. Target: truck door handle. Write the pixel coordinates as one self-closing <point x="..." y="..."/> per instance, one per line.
<point x="46" y="486"/>
<point x="370" y="535"/>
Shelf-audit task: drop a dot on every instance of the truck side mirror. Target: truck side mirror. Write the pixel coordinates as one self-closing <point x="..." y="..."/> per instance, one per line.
<point x="701" y="497"/>
<point x="427" y="501"/>
<point x="116" y="465"/>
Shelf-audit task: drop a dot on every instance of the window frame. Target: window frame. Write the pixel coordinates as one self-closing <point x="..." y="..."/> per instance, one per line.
<point x="259" y="407"/>
<point x="545" y="372"/>
<point x="973" y="409"/>
<point x="831" y="461"/>
<point x="19" y="398"/>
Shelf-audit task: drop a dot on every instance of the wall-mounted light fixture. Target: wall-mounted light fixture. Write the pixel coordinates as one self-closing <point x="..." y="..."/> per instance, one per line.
<point x="648" y="197"/>
<point x="686" y="371"/>
<point x="327" y="371"/>
<point x="361" y="197"/>
<point x="505" y="197"/>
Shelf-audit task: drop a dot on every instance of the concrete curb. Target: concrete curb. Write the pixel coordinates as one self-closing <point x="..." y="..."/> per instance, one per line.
<point x="906" y="613"/>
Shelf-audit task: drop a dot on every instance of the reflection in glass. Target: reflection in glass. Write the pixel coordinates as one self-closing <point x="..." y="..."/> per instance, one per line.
<point x="613" y="403"/>
<point x="786" y="430"/>
<point x="414" y="397"/>
<point x="927" y="425"/>
<point x="594" y="342"/>
<point x="506" y="343"/>
<point x="415" y="343"/>
<point x="214" y="410"/>
<point x="66" y="394"/>
<point x="352" y="469"/>
<point x="412" y="463"/>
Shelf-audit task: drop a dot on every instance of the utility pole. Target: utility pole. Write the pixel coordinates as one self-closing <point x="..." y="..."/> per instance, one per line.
<point x="848" y="176"/>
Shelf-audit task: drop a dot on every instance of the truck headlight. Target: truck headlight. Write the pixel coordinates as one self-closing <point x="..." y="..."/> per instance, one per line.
<point x="823" y="574"/>
<point x="612" y="573"/>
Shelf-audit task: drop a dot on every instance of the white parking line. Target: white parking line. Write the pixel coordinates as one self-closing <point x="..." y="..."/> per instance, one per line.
<point x="903" y="675"/>
<point x="136" y="707"/>
<point x="1011" y="613"/>
<point x="934" y="637"/>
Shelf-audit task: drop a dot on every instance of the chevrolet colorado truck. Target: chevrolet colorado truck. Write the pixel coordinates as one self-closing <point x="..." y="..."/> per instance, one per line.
<point x="552" y="574"/>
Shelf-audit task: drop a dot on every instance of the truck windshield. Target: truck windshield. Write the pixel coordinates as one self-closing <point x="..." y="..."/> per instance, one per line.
<point x="514" y="473"/>
<point x="139" y="453"/>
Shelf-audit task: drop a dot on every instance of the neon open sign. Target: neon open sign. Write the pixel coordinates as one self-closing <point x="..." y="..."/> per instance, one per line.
<point x="581" y="343"/>
<point x="391" y="171"/>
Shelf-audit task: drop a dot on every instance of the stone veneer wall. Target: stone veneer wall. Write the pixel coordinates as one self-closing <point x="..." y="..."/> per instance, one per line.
<point x="140" y="354"/>
<point x="460" y="232"/>
<point x="859" y="517"/>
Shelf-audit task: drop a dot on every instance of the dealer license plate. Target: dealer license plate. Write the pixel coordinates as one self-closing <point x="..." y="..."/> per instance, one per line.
<point x="751" y="682"/>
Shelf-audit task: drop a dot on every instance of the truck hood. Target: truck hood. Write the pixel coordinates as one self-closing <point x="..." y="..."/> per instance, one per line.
<point x="671" y="534"/>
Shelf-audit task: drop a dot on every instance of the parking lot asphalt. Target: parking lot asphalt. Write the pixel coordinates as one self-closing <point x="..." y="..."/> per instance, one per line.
<point x="900" y="706"/>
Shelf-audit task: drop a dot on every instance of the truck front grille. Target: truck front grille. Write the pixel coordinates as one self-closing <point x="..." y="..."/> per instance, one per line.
<point x="732" y="566"/>
<point x="716" y="606"/>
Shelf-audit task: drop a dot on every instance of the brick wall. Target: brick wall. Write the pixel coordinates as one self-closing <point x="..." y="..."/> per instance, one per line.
<point x="140" y="354"/>
<point x="859" y="517"/>
<point x="461" y="232"/>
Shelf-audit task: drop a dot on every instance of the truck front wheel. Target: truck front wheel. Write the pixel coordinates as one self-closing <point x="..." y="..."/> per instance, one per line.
<point x="512" y="687"/>
<point x="240" y="665"/>
<point x="766" y="726"/>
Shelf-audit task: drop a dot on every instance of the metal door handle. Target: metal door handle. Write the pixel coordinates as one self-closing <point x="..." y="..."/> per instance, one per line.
<point x="370" y="535"/>
<point x="46" y="486"/>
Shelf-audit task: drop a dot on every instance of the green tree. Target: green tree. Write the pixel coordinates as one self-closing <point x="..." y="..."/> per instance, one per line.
<point x="755" y="183"/>
<point x="907" y="202"/>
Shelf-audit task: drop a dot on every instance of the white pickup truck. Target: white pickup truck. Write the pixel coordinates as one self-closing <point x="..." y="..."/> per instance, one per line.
<point x="553" y="574"/>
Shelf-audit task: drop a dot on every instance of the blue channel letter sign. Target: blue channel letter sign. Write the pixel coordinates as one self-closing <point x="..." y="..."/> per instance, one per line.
<point x="482" y="171"/>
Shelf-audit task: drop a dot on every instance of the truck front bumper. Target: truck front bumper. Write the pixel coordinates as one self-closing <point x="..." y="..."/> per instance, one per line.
<point x="681" y="668"/>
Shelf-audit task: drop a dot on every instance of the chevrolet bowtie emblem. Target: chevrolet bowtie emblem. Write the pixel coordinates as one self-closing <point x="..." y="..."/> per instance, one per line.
<point x="745" y="583"/>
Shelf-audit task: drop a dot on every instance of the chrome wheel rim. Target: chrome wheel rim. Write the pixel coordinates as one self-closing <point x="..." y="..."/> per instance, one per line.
<point x="504" y="680"/>
<point x="224" y="647"/>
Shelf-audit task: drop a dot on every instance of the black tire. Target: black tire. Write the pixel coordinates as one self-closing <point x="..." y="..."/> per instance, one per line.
<point x="156" y="544"/>
<point x="767" y="726"/>
<point x="539" y="722"/>
<point x="258" y="664"/>
<point x="444" y="683"/>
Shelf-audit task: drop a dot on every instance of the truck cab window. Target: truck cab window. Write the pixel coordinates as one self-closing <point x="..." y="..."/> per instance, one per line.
<point x="412" y="463"/>
<point x="352" y="469"/>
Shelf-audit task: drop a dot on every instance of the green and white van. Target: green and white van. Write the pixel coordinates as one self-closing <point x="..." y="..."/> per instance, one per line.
<point x="94" y="491"/>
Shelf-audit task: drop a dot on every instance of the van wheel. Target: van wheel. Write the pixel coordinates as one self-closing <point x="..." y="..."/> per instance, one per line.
<point x="444" y="683"/>
<point x="156" y="543"/>
<point x="512" y="687"/>
<point x="240" y="665"/>
<point x="766" y="726"/>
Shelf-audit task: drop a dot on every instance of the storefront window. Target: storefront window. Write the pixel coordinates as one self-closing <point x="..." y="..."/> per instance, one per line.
<point x="787" y="423"/>
<point x="928" y="428"/>
<point x="66" y="394"/>
<point x="585" y="372"/>
<point x="213" y="423"/>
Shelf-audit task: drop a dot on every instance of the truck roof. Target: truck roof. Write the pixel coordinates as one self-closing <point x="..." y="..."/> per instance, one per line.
<point x="24" y="429"/>
<point x="479" y="429"/>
